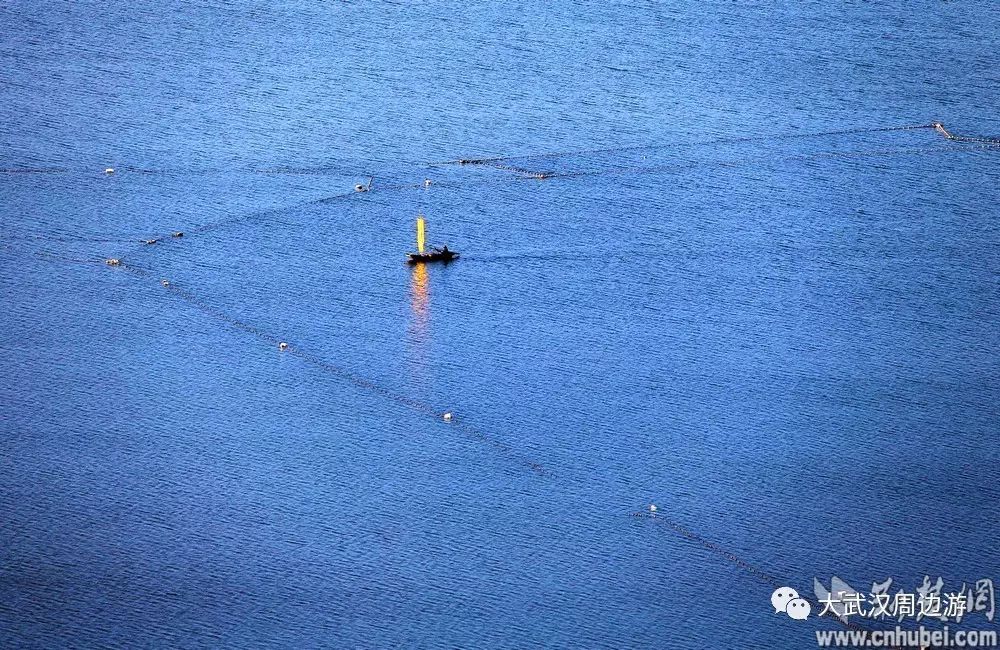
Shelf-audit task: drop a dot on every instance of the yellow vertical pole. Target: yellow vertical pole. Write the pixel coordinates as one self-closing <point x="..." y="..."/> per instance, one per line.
<point x="421" y="227"/>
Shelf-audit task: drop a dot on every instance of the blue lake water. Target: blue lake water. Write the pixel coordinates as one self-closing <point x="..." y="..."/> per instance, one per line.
<point x="784" y="337"/>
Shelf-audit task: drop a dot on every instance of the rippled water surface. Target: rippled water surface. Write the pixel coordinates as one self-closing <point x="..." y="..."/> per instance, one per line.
<point x="735" y="294"/>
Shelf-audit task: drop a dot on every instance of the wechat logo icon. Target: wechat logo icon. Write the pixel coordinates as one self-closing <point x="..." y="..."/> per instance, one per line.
<point x="787" y="600"/>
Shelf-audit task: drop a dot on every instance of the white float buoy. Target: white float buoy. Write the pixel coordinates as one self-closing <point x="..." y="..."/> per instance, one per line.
<point x="652" y="507"/>
<point x="109" y="170"/>
<point x="447" y="416"/>
<point x="427" y="182"/>
<point x="165" y="283"/>
<point x="282" y="346"/>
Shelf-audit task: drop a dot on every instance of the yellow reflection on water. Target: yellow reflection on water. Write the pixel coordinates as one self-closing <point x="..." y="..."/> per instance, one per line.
<point x="418" y="331"/>
<point x="420" y="296"/>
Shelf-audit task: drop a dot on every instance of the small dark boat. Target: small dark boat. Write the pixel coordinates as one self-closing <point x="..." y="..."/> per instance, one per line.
<point x="435" y="254"/>
<point x="442" y="255"/>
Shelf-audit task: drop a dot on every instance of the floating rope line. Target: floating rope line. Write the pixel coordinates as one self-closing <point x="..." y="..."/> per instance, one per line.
<point x="939" y="127"/>
<point x="319" y="170"/>
<point x="694" y="164"/>
<point x="510" y="168"/>
<point x="520" y="170"/>
<point x="358" y="380"/>
<point x="658" y="169"/>
<point x="263" y="214"/>
<point x="526" y="174"/>
<point x="530" y="174"/>
<point x="268" y="213"/>
<point x="177" y="235"/>
<point x="966" y="145"/>
<point x="652" y="147"/>
<point x="759" y="574"/>
<point x="425" y="408"/>
<point x="33" y="170"/>
<point x="68" y="239"/>
<point x="306" y="171"/>
<point x="610" y="171"/>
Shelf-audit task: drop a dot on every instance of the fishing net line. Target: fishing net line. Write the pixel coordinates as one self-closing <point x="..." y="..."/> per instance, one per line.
<point x="652" y="159"/>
